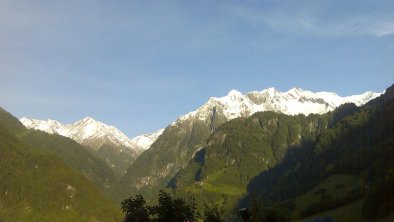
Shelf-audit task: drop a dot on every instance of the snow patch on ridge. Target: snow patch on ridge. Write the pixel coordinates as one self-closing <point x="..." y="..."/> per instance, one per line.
<point x="146" y="140"/>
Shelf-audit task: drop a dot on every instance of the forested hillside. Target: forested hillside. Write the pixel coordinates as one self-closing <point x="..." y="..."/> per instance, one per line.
<point x="360" y="145"/>
<point x="38" y="186"/>
<point x="296" y="166"/>
<point x="307" y="165"/>
<point x="72" y="153"/>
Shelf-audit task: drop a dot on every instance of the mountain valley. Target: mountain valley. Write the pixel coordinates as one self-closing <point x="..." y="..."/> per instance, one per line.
<point x="295" y="149"/>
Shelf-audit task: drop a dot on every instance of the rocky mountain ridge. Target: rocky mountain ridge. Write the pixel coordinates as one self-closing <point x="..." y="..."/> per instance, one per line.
<point x="106" y="142"/>
<point x="93" y="133"/>
<point x="293" y="102"/>
<point x="173" y="150"/>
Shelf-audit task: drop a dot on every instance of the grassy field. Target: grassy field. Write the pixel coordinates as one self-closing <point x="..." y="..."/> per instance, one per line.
<point x="216" y="188"/>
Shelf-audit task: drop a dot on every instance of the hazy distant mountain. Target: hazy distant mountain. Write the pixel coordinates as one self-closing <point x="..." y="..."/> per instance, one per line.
<point x="181" y="139"/>
<point x="109" y="143"/>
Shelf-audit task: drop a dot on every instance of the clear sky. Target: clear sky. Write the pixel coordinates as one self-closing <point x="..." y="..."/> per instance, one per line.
<point x="138" y="65"/>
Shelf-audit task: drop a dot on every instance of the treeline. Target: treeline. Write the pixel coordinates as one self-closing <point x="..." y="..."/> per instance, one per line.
<point x="173" y="209"/>
<point x="168" y="209"/>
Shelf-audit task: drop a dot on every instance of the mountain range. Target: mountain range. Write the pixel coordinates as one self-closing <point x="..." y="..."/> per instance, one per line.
<point x="93" y="133"/>
<point x="262" y="142"/>
<point x="106" y="142"/>
<point x="295" y="101"/>
<point x="172" y="151"/>
<point x="119" y="152"/>
<point x="339" y="164"/>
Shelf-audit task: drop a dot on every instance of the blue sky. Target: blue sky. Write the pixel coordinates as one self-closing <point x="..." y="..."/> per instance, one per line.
<point x="138" y="65"/>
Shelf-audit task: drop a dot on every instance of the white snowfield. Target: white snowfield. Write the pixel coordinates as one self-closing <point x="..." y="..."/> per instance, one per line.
<point x="146" y="140"/>
<point x="234" y="105"/>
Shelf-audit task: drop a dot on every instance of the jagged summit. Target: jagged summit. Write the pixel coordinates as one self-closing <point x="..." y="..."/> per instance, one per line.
<point x="234" y="94"/>
<point x="91" y="132"/>
<point x="183" y="138"/>
<point x="270" y="91"/>
<point x="87" y="120"/>
<point x="294" y="101"/>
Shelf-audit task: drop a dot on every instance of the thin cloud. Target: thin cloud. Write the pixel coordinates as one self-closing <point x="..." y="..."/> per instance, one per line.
<point x="385" y="28"/>
<point x="314" y="21"/>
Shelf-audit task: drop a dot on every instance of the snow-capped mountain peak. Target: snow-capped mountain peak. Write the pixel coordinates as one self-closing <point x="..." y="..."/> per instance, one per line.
<point x="48" y="126"/>
<point x="91" y="132"/>
<point x="87" y="120"/>
<point x="234" y="94"/>
<point x="294" y="101"/>
<point x="270" y="91"/>
<point x="233" y="105"/>
<point x="296" y="91"/>
<point x="362" y="98"/>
